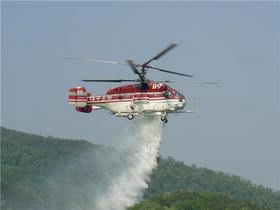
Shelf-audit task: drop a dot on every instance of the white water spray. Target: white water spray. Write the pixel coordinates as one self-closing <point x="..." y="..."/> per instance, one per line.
<point x="142" y="139"/>
<point x="106" y="178"/>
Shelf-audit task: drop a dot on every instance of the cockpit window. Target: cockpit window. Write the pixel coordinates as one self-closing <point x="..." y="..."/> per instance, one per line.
<point x="166" y="94"/>
<point x="178" y="94"/>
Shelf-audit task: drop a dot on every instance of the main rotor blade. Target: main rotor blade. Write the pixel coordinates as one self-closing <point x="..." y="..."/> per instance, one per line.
<point x="189" y="82"/>
<point x="134" y="68"/>
<point x="170" y="47"/>
<point x="110" y="80"/>
<point x="170" y="72"/>
<point x="95" y="60"/>
<point x="192" y="83"/>
<point x="166" y="81"/>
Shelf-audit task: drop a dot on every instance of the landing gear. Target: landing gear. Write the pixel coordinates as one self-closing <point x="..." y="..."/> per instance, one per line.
<point x="164" y="119"/>
<point x="130" y="116"/>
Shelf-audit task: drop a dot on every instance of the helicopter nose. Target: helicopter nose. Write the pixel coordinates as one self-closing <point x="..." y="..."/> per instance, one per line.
<point x="182" y="101"/>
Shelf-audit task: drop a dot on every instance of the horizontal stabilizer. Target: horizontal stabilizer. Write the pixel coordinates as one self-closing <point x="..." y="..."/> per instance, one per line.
<point x="187" y="111"/>
<point x="95" y="107"/>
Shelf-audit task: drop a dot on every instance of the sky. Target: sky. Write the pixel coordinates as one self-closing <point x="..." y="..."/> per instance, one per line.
<point x="234" y="43"/>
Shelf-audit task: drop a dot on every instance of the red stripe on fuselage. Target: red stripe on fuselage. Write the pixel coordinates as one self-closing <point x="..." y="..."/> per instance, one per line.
<point x="129" y="100"/>
<point x="132" y="96"/>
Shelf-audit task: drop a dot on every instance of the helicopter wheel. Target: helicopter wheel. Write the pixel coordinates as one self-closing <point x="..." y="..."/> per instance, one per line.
<point x="164" y="118"/>
<point x="130" y="116"/>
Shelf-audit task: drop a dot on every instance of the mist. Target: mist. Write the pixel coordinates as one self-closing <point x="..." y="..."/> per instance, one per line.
<point x="111" y="178"/>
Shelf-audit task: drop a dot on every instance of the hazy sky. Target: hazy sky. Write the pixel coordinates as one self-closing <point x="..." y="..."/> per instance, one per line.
<point x="235" y="44"/>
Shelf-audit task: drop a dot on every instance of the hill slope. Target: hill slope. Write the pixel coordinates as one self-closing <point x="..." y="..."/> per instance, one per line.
<point x="172" y="175"/>
<point x="193" y="201"/>
<point x="47" y="173"/>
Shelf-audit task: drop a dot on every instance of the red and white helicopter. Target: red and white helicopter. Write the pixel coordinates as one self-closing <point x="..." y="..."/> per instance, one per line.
<point x="145" y="97"/>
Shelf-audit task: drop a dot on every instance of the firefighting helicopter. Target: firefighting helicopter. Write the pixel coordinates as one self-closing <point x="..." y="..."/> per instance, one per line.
<point x="144" y="97"/>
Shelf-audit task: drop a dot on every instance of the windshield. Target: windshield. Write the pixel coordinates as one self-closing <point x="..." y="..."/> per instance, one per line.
<point x="178" y="94"/>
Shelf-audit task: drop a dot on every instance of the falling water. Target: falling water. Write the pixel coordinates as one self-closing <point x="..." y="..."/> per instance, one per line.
<point x="142" y="139"/>
<point x="108" y="178"/>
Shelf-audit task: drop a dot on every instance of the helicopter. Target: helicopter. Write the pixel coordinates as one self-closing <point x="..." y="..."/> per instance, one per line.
<point x="143" y="97"/>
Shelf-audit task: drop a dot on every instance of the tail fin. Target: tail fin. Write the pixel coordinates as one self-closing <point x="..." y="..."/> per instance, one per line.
<point x="80" y="98"/>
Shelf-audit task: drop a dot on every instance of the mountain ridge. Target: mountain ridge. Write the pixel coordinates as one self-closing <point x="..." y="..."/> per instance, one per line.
<point x="28" y="160"/>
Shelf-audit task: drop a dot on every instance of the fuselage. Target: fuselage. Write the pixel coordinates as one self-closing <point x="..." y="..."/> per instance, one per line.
<point x="158" y="97"/>
<point x="152" y="99"/>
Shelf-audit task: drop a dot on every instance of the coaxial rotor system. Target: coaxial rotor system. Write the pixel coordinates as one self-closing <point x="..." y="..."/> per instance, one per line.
<point x="139" y="69"/>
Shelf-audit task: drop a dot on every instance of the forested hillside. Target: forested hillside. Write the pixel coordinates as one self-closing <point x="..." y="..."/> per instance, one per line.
<point x="193" y="201"/>
<point x="49" y="173"/>
<point x="172" y="175"/>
